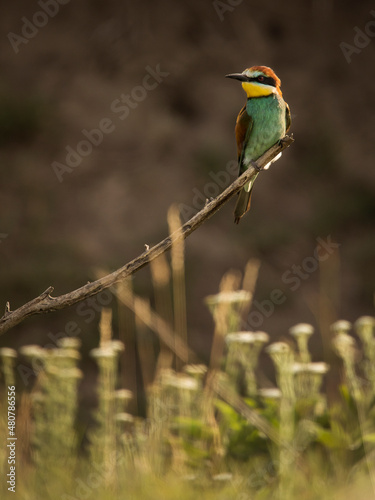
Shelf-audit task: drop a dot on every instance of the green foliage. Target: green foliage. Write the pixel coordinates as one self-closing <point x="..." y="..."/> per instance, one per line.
<point x="294" y="444"/>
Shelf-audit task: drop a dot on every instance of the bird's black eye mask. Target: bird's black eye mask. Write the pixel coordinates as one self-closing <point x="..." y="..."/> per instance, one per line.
<point x="267" y="80"/>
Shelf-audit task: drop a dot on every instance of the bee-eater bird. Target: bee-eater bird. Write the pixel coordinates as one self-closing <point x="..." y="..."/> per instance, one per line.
<point x="261" y="123"/>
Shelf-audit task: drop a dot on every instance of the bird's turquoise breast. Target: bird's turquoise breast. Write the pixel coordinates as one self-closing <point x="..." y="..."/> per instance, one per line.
<point x="268" y="115"/>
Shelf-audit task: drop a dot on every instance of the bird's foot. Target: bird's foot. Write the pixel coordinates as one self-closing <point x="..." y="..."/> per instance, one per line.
<point x="287" y="140"/>
<point x="255" y="165"/>
<point x="283" y="141"/>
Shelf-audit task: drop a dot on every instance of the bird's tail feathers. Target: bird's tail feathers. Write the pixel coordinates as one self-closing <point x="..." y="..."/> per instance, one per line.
<point x="243" y="202"/>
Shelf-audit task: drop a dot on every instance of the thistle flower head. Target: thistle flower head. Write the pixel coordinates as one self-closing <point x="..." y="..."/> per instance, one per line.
<point x="117" y="346"/>
<point x="247" y="338"/>
<point x="236" y="297"/>
<point x="314" y="368"/>
<point x="345" y="346"/>
<point x="62" y="354"/>
<point x="106" y="352"/>
<point x="302" y="333"/>
<point x="170" y="378"/>
<point x="7" y="352"/>
<point x="123" y="395"/>
<point x="278" y="348"/>
<point x="299" y="368"/>
<point x="261" y="337"/>
<point x="301" y="330"/>
<point x="33" y="351"/>
<point x="185" y="383"/>
<point x="124" y="417"/>
<point x="226" y="306"/>
<point x="341" y="326"/>
<point x="196" y="371"/>
<point x="69" y="343"/>
<point x="240" y="338"/>
<point x="318" y="367"/>
<point x="365" y="327"/>
<point x="281" y="354"/>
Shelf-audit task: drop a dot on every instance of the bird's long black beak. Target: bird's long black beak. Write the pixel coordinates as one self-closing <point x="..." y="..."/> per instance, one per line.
<point x="237" y="76"/>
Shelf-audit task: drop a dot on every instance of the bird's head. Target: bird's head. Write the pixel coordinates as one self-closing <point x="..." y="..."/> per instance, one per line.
<point x="258" y="81"/>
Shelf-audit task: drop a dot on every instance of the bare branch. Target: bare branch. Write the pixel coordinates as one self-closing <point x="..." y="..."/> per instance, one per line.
<point x="46" y="303"/>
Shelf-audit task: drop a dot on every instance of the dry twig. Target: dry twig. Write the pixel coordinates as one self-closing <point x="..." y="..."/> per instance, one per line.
<point x="46" y="303"/>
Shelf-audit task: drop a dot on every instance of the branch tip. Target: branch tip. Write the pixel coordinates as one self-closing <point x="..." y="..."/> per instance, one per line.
<point x="47" y="293"/>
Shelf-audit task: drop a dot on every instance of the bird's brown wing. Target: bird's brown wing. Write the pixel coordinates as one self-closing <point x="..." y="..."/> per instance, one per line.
<point x="244" y="124"/>
<point x="288" y="119"/>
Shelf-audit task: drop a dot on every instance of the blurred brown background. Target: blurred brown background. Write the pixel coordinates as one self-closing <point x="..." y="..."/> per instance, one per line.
<point x="67" y="77"/>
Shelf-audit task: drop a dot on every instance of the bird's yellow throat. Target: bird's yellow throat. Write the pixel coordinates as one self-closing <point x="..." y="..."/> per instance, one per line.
<point x="254" y="90"/>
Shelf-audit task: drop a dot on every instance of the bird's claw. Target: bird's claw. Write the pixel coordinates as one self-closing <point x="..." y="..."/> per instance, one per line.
<point x="286" y="140"/>
<point x="255" y="165"/>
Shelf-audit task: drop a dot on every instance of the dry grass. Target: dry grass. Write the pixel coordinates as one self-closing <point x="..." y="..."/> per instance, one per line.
<point x="211" y="431"/>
